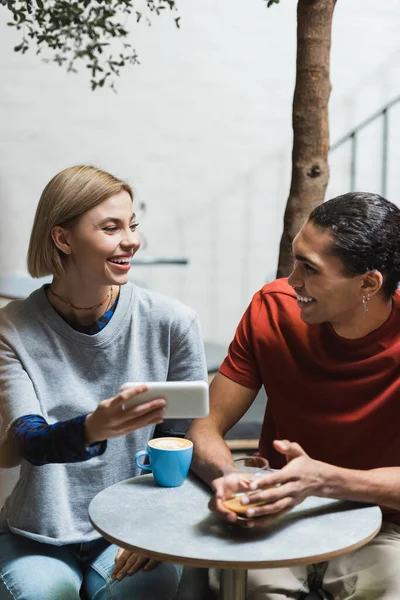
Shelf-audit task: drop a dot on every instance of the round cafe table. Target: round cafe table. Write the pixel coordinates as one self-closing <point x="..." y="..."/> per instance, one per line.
<point x="175" y="525"/>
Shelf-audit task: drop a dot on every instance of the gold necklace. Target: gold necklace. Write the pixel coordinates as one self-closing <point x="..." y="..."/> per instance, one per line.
<point x="110" y="293"/>
<point x="109" y="305"/>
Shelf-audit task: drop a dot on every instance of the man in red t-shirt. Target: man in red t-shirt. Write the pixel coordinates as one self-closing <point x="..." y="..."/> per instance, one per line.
<point x="326" y="346"/>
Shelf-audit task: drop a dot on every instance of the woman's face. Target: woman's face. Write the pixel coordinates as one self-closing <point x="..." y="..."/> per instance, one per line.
<point x="101" y="243"/>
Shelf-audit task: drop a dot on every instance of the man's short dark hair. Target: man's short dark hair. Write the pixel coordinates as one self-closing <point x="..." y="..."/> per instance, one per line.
<point x="365" y="231"/>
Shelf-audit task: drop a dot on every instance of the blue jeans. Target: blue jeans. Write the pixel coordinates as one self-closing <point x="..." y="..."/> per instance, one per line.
<point x="30" y="570"/>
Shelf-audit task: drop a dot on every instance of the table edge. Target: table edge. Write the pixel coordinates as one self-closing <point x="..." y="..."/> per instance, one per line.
<point x="237" y="565"/>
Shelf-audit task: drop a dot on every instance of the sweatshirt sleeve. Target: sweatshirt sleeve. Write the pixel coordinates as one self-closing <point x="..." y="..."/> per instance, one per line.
<point x="187" y="358"/>
<point x="187" y="363"/>
<point x="17" y="394"/>
<point x="63" y="442"/>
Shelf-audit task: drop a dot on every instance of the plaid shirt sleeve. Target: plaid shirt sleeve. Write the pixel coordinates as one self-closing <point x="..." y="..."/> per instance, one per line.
<point x="64" y="442"/>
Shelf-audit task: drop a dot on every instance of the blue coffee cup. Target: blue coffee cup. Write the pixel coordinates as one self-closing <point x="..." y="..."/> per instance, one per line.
<point x="169" y="460"/>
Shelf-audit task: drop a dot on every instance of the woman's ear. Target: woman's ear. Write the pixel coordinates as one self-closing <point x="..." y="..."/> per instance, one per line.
<point x="372" y="282"/>
<point x="60" y="237"/>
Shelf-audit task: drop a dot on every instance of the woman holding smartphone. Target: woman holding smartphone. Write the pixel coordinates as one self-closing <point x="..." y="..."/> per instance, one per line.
<point x="64" y="351"/>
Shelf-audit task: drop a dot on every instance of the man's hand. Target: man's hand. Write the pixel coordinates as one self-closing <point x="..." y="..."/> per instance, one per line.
<point x="129" y="563"/>
<point x="227" y="486"/>
<point x="284" y="489"/>
<point x="216" y="505"/>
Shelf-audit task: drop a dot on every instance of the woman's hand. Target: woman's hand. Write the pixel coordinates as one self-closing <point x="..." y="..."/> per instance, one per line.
<point x="129" y="563"/>
<point x="111" y="419"/>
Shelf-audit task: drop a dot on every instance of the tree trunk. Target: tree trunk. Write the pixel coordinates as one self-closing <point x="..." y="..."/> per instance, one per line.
<point x="310" y="172"/>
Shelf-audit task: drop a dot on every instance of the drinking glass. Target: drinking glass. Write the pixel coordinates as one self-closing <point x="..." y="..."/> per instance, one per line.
<point x="237" y="479"/>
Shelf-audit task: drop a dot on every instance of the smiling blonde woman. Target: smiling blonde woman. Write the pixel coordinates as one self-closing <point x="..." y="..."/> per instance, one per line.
<point x="64" y="353"/>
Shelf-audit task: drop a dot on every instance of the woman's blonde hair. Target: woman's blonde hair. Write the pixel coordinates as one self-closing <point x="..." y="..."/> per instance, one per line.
<point x="66" y="197"/>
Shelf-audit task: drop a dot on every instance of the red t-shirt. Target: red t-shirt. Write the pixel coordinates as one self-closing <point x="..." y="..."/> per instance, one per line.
<point x="338" y="398"/>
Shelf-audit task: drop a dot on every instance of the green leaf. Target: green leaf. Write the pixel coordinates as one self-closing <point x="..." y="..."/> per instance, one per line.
<point x="79" y="32"/>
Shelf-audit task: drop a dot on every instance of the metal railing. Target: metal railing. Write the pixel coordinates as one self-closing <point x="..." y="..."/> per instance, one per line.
<point x="159" y="260"/>
<point x="351" y="136"/>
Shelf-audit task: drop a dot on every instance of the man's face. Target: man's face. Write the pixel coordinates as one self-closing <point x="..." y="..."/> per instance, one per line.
<point x="324" y="292"/>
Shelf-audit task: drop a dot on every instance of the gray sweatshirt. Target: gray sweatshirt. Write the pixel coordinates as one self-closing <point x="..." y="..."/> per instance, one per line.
<point x="49" y="369"/>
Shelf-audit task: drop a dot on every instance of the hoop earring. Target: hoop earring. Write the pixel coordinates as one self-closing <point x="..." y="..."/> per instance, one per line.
<point x="365" y="300"/>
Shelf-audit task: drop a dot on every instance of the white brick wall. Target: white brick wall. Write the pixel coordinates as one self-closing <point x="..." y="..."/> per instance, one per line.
<point x="202" y="129"/>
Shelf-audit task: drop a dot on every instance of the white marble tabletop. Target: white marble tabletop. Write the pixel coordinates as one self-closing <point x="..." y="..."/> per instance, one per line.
<point x="175" y="525"/>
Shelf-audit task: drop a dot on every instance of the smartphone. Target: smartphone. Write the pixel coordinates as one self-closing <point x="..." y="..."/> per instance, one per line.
<point x="185" y="399"/>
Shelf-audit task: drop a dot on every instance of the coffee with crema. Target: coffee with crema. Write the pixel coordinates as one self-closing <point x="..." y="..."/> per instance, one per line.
<point x="170" y="443"/>
<point x="169" y="459"/>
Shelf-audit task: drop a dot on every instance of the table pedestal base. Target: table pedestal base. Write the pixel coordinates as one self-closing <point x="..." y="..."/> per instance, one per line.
<point x="232" y="584"/>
